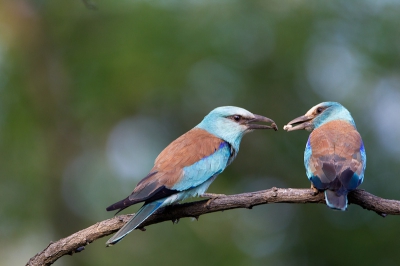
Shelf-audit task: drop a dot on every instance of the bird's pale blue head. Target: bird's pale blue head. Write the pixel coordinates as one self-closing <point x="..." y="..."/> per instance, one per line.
<point x="230" y="123"/>
<point x="319" y="115"/>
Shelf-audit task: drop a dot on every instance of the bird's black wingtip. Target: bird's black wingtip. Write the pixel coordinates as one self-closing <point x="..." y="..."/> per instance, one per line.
<point x="120" y="205"/>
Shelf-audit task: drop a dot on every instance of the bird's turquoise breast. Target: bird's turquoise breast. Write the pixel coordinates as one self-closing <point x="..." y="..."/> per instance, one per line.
<point x="206" y="168"/>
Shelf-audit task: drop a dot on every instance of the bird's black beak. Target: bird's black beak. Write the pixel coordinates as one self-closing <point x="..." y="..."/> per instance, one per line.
<point x="259" y="118"/>
<point x="302" y="122"/>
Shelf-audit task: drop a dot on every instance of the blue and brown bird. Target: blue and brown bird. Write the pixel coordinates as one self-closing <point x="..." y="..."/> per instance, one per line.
<point x="187" y="166"/>
<point x="334" y="157"/>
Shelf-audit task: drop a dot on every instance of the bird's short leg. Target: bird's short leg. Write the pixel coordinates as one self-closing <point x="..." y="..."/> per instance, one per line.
<point x="211" y="197"/>
<point x="315" y="190"/>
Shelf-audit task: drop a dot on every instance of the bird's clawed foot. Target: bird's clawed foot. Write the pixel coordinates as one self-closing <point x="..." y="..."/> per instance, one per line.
<point x="315" y="190"/>
<point x="211" y="197"/>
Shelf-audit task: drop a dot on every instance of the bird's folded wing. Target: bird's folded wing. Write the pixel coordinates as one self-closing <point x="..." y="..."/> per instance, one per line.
<point x="187" y="162"/>
<point x="337" y="153"/>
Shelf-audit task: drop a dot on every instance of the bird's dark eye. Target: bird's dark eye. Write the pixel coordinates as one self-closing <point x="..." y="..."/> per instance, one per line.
<point x="237" y="118"/>
<point x="319" y="110"/>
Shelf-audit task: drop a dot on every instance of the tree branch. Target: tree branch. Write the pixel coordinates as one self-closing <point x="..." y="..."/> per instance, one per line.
<point x="77" y="241"/>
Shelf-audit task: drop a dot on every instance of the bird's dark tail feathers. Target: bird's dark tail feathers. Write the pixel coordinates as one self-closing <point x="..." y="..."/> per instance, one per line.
<point x="336" y="201"/>
<point x="135" y="221"/>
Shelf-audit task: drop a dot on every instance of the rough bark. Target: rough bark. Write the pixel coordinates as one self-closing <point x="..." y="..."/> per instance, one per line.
<point x="76" y="242"/>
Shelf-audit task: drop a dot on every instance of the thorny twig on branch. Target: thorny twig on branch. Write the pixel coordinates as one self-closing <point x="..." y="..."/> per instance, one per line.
<point x="77" y="241"/>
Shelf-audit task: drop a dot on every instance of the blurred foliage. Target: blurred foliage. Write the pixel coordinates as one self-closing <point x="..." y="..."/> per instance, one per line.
<point x="87" y="94"/>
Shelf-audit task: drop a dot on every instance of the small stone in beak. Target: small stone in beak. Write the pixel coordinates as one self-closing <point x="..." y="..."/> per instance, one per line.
<point x="287" y="127"/>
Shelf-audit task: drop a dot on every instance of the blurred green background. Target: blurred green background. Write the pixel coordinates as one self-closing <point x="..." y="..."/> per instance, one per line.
<point x="88" y="98"/>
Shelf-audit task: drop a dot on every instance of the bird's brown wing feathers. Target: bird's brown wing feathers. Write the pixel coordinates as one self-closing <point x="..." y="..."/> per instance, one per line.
<point x="188" y="149"/>
<point x="335" y="153"/>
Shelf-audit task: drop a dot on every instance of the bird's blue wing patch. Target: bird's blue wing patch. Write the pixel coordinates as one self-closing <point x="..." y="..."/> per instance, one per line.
<point x="364" y="162"/>
<point x="307" y="156"/>
<point x="199" y="172"/>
